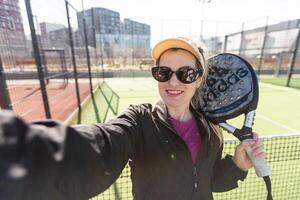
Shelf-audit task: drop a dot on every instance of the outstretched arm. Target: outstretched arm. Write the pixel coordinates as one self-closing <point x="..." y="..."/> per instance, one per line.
<point x="49" y="160"/>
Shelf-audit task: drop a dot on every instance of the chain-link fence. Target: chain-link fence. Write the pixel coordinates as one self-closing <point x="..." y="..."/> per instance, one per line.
<point x="47" y="74"/>
<point x="273" y="49"/>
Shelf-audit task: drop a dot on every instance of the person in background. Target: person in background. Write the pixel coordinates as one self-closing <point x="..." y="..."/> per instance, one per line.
<point x="174" y="152"/>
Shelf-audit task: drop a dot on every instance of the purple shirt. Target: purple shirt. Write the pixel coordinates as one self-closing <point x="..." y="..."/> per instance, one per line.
<point x="189" y="132"/>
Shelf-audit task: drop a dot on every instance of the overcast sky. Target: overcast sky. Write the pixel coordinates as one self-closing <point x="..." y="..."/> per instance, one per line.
<point x="181" y="17"/>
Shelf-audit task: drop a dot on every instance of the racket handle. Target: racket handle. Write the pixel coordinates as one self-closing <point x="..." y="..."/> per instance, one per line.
<point x="261" y="167"/>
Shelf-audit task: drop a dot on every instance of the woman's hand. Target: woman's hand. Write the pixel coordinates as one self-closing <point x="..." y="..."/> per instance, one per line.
<point x="241" y="159"/>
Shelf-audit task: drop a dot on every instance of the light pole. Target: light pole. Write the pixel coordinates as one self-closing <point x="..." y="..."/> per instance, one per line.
<point x="203" y="2"/>
<point x="132" y="44"/>
<point x="132" y="57"/>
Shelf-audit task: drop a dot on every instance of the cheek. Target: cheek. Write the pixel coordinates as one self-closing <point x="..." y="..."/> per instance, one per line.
<point x="160" y="87"/>
<point x="192" y="89"/>
<point x="195" y="86"/>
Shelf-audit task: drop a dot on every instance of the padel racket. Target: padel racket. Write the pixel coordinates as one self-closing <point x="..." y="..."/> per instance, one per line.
<point x="230" y="90"/>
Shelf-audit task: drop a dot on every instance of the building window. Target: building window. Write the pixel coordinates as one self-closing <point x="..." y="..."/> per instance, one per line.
<point x="11" y="24"/>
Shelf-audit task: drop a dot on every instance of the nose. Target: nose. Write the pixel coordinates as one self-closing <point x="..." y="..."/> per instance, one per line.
<point x="173" y="80"/>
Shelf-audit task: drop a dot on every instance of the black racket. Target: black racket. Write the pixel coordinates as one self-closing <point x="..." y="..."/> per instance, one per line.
<point x="230" y="90"/>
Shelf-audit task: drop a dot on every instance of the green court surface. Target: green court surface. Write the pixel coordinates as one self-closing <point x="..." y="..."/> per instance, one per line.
<point x="282" y="80"/>
<point x="277" y="114"/>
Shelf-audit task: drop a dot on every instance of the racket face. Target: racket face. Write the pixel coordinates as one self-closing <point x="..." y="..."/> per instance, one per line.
<point x="230" y="90"/>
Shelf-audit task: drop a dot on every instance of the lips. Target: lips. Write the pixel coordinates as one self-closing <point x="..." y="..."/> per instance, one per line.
<point x="174" y="92"/>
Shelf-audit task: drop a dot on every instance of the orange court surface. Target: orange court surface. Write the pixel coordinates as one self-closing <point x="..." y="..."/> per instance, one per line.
<point x="26" y="99"/>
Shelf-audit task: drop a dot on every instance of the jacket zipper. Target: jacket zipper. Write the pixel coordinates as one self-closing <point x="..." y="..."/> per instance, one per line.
<point x="194" y="168"/>
<point x="182" y="141"/>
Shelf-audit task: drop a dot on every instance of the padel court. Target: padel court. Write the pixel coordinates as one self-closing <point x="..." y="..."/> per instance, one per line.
<point x="277" y="120"/>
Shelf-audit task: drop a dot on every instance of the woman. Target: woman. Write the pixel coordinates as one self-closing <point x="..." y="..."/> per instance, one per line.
<point x="174" y="152"/>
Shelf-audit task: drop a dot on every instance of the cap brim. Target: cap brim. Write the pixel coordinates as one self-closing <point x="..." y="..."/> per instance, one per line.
<point x="170" y="43"/>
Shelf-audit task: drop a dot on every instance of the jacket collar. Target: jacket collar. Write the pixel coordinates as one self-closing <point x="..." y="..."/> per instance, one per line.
<point x="160" y="111"/>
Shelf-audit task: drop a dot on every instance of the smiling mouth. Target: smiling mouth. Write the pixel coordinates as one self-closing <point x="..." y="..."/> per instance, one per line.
<point x="174" y="92"/>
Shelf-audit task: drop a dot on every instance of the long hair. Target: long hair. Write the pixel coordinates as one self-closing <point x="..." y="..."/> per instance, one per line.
<point x="208" y="125"/>
<point x="195" y="101"/>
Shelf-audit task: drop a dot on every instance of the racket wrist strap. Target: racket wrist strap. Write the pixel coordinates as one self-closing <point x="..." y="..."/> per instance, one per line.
<point x="244" y="133"/>
<point x="269" y="187"/>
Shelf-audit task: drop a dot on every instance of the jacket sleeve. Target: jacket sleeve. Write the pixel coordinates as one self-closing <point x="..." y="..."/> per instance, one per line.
<point x="50" y="160"/>
<point x="226" y="174"/>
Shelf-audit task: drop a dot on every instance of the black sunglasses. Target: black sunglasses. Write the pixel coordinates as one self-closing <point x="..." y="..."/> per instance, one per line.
<point x="185" y="74"/>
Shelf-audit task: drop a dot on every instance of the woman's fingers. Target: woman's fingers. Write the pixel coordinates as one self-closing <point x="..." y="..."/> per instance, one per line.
<point x="254" y="146"/>
<point x="245" y="144"/>
<point x="255" y="136"/>
<point x="257" y="147"/>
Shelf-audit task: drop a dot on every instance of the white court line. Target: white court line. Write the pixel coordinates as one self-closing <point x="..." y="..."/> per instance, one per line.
<point x="277" y="123"/>
<point x="279" y="135"/>
<point x="279" y="87"/>
<point x="273" y="121"/>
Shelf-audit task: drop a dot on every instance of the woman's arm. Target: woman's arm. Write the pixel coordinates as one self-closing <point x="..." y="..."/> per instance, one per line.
<point x="49" y="160"/>
<point x="226" y="173"/>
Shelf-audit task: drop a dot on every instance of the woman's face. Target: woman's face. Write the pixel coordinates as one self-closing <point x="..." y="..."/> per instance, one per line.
<point x="174" y="93"/>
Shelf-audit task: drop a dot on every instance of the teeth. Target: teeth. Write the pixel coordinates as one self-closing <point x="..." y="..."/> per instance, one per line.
<point x="174" y="91"/>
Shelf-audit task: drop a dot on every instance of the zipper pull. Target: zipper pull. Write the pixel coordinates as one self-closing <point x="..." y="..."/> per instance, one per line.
<point x="195" y="171"/>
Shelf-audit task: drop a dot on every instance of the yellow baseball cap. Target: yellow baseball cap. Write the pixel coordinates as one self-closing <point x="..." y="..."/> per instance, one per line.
<point x="177" y="42"/>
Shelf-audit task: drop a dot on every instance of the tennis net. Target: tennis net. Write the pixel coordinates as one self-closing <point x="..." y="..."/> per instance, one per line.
<point x="283" y="155"/>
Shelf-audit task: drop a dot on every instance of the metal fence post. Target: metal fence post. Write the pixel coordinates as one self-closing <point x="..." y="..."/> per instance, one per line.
<point x="38" y="59"/>
<point x="242" y="39"/>
<point x="95" y="43"/>
<point x="279" y="63"/>
<point x="5" y="102"/>
<point x="225" y="43"/>
<point x="87" y="50"/>
<point x="73" y="55"/>
<point x="291" y="68"/>
<point x="263" y="48"/>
